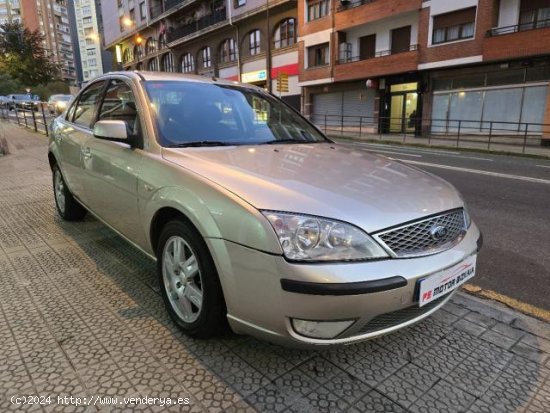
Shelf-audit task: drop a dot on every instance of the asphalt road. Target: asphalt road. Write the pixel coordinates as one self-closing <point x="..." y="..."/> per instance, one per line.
<point x="509" y="199"/>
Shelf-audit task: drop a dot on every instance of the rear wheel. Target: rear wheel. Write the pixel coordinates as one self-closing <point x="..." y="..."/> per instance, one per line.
<point x="67" y="206"/>
<point x="190" y="286"/>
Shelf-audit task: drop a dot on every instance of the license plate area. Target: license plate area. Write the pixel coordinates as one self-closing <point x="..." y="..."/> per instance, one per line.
<point x="443" y="282"/>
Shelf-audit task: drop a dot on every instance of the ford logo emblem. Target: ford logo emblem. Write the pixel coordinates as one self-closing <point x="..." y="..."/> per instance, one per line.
<point x="438" y="232"/>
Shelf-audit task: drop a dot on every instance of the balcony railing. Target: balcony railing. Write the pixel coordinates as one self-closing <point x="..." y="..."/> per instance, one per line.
<point x="202" y="23"/>
<point x="498" y="31"/>
<point x="347" y="4"/>
<point x="163" y="6"/>
<point x="381" y="53"/>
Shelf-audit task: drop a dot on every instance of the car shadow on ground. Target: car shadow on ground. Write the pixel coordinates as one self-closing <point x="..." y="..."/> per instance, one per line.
<point x="431" y="365"/>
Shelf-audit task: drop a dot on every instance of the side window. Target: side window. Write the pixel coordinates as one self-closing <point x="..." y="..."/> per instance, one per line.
<point x="119" y="104"/>
<point x="85" y="109"/>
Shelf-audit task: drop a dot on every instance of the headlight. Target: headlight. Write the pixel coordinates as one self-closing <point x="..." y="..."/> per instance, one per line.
<point x="61" y="105"/>
<point x="307" y="238"/>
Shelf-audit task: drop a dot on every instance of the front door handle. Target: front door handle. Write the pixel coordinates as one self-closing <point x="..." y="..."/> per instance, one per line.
<point x="86" y="153"/>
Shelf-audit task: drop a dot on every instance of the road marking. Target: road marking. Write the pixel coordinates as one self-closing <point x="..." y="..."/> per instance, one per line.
<point x="424" y="151"/>
<point x="479" y="172"/>
<point x="525" y="308"/>
<point x="394" y="153"/>
<point x="543" y="166"/>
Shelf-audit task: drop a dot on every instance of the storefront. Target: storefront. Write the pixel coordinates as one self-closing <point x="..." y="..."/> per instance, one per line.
<point x="502" y="98"/>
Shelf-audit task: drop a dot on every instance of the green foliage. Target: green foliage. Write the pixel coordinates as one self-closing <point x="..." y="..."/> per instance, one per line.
<point x="23" y="58"/>
<point x="53" y="88"/>
<point x="9" y="85"/>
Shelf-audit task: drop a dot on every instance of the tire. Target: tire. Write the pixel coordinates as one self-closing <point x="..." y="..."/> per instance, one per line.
<point x="204" y="318"/>
<point x="67" y="206"/>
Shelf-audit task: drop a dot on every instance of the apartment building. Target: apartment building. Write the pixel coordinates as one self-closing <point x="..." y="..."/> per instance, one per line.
<point x="89" y="30"/>
<point x="51" y="19"/>
<point x="10" y="11"/>
<point x="484" y="61"/>
<point x="247" y="40"/>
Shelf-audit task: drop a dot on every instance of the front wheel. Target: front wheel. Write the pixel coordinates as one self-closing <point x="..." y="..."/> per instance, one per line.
<point x="67" y="207"/>
<point x="189" y="282"/>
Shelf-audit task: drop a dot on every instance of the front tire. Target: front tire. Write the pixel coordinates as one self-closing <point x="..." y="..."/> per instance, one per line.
<point x="67" y="206"/>
<point x="189" y="282"/>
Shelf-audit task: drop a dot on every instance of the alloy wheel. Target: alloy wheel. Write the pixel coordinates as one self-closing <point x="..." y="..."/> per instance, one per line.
<point x="182" y="279"/>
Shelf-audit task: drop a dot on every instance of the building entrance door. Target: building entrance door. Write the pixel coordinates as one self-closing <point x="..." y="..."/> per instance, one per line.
<point x="403" y="108"/>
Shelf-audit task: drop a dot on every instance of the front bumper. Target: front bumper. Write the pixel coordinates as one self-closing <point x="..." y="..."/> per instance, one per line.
<point x="259" y="306"/>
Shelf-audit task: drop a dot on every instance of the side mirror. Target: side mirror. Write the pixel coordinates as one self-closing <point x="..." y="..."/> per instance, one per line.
<point x="111" y="130"/>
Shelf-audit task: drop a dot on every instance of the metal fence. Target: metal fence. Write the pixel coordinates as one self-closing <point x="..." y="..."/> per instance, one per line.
<point x="497" y="135"/>
<point x="446" y="132"/>
<point x="37" y="119"/>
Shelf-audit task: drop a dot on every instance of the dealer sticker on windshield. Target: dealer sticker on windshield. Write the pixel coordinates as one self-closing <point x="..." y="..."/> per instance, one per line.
<point x="443" y="282"/>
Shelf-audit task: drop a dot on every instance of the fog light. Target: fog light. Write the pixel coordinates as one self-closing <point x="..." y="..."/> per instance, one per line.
<point x="320" y="329"/>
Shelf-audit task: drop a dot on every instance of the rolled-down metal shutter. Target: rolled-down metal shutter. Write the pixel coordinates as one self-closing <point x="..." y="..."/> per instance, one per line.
<point x="327" y="108"/>
<point x="358" y="103"/>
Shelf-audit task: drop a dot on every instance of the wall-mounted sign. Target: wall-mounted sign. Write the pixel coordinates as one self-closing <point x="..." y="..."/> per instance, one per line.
<point x="257" y="76"/>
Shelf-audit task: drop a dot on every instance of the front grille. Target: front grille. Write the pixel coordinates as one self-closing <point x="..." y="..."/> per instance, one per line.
<point x="416" y="239"/>
<point x="395" y="318"/>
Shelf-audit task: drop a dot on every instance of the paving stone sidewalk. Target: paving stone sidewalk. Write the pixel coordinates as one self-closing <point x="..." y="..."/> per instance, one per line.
<point x="80" y="315"/>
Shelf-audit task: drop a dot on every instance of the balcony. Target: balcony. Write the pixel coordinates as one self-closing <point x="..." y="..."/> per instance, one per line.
<point x="354" y="13"/>
<point x="520" y="40"/>
<point x="162" y="6"/>
<point x="383" y="63"/>
<point x="199" y="24"/>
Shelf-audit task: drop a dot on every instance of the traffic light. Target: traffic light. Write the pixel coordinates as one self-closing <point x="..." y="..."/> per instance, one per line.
<point x="282" y="82"/>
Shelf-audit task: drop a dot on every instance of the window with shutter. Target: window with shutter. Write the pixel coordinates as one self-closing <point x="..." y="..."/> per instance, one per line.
<point x="456" y="25"/>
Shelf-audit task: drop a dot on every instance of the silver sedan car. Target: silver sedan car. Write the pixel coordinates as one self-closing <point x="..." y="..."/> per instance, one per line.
<point x="256" y="220"/>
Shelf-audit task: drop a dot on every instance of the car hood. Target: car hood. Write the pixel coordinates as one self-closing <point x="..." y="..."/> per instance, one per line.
<point x="329" y="180"/>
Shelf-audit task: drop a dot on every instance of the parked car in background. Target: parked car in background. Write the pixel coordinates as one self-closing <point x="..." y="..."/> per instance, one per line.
<point x="254" y="216"/>
<point x="23" y="101"/>
<point x="58" y="103"/>
<point x="3" y="101"/>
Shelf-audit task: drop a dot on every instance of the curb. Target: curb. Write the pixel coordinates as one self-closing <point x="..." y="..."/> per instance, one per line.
<point x="419" y="145"/>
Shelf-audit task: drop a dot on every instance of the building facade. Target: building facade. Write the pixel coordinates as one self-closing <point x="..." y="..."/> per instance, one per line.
<point x="419" y="66"/>
<point x="10" y="11"/>
<point x="89" y="38"/>
<point x="51" y="19"/>
<point x="247" y="40"/>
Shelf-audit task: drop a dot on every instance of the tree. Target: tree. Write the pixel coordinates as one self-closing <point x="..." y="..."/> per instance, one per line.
<point x="9" y="85"/>
<point x="22" y="56"/>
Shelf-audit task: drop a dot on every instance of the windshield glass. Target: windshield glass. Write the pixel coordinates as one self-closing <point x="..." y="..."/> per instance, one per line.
<point x="195" y="112"/>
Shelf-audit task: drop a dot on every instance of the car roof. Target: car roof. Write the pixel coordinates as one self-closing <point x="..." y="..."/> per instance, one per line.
<point x="182" y="77"/>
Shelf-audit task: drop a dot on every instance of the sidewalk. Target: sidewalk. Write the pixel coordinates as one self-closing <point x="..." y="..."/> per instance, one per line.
<point x="446" y="142"/>
<point x="80" y="315"/>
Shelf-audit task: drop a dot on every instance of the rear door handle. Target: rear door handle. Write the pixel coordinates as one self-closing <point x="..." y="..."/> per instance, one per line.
<point x="86" y="153"/>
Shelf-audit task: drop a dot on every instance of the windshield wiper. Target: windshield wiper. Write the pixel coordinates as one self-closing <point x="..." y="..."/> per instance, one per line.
<point x="287" y="140"/>
<point x="199" y="143"/>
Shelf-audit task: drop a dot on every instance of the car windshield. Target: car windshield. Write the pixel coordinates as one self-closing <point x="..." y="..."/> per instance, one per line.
<point x="20" y="97"/>
<point x="63" y="98"/>
<point x="192" y="113"/>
